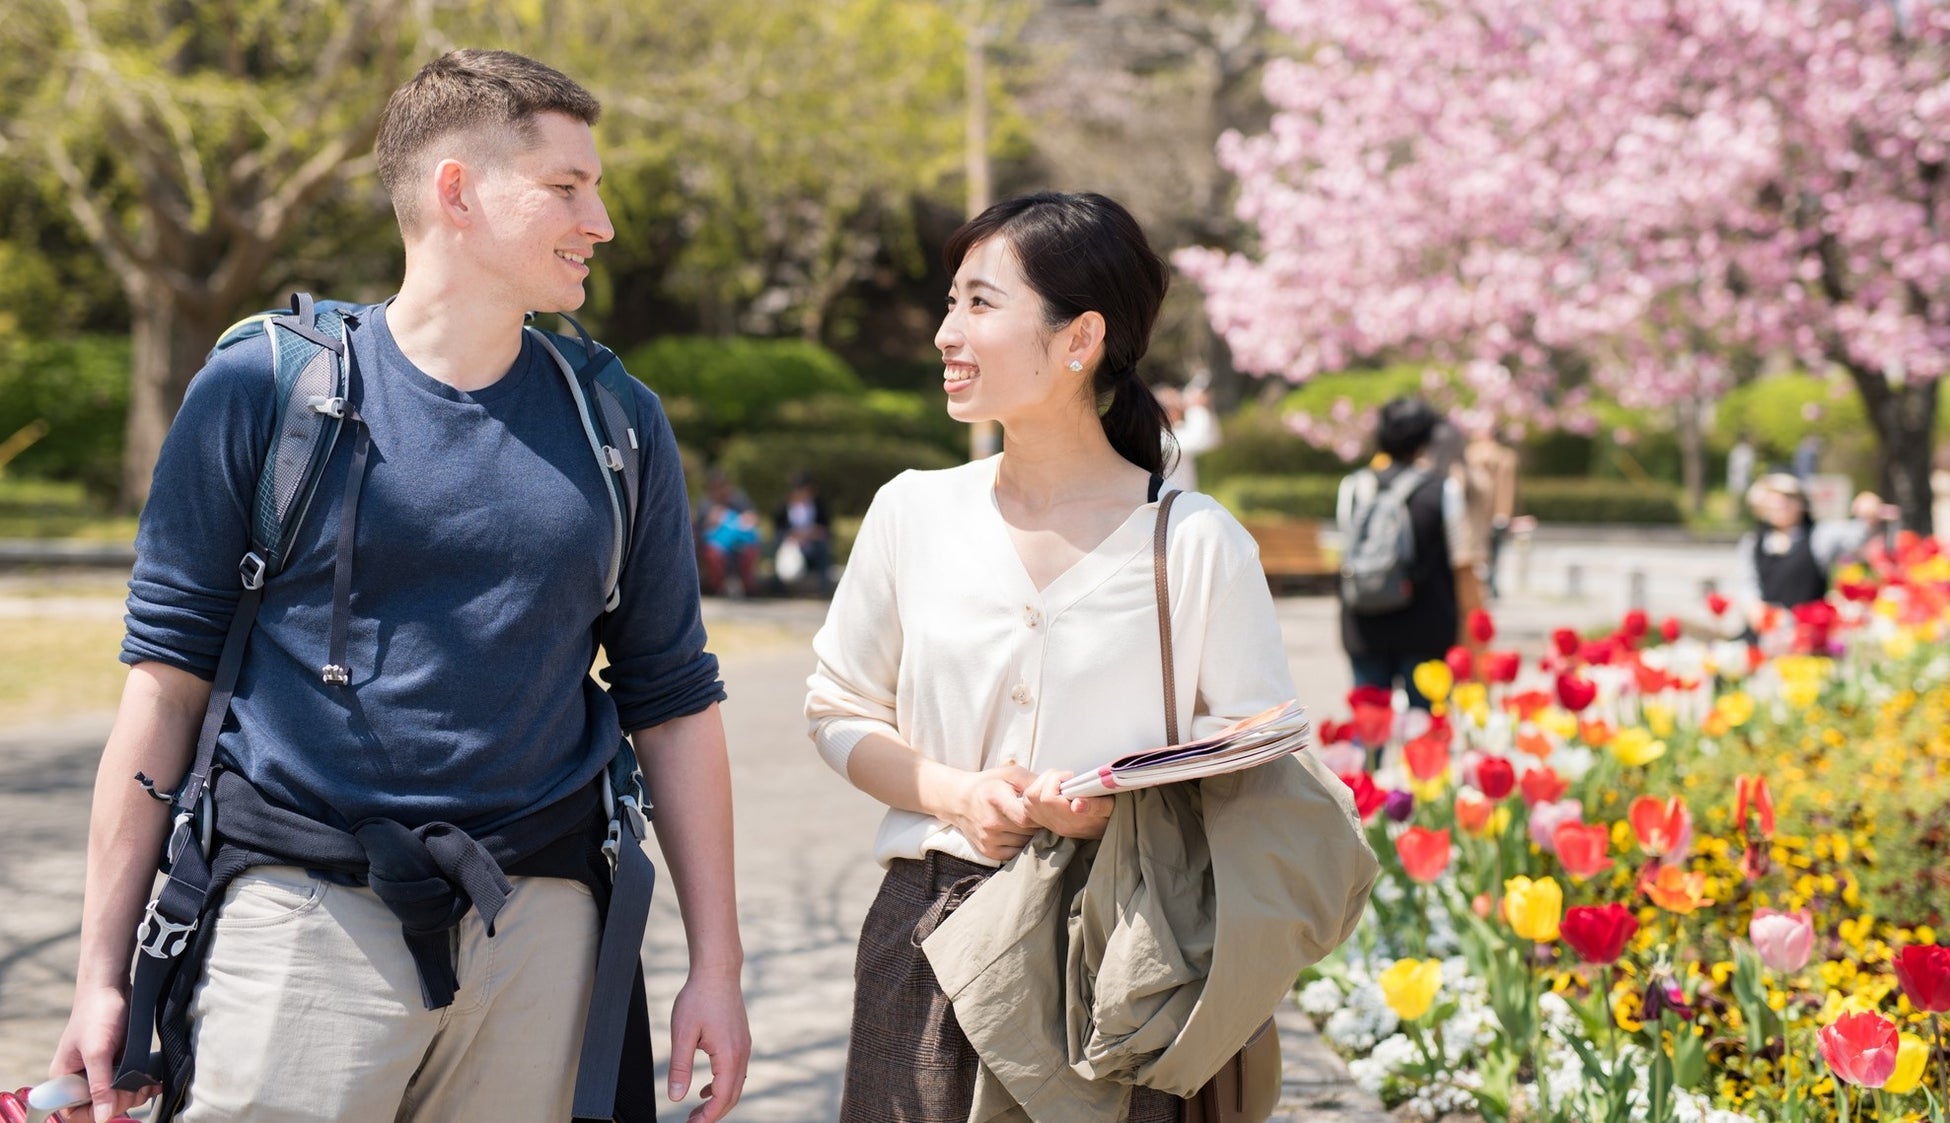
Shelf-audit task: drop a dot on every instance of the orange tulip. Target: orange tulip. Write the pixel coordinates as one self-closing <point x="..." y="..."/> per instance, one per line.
<point x="1594" y="732"/>
<point x="1676" y="890"/>
<point x="1473" y="810"/>
<point x="1751" y="792"/>
<point x="1424" y="853"/>
<point x="1536" y="744"/>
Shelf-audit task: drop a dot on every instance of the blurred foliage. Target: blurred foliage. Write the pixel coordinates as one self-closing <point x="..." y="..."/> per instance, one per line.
<point x="37" y="508"/>
<point x="847" y="468"/>
<point x="1257" y="443"/>
<point x="79" y="389"/>
<point x="1297" y="497"/>
<point x="1598" y="501"/>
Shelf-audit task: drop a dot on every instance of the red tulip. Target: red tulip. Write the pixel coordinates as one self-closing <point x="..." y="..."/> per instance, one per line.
<point x="1374" y="714"/>
<point x="1717" y="604"/>
<point x="1574" y="692"/>
<point x="1669" y="629"/>
<point x="1424" y="853"/>
<point x="1599" y="652"/>
<point x="1598" y="933"/>
<point x="1924" y="972"/>
<point x="1496" y="777"/>
<point x="1663" y="827"/>
<point x="1462" y="664"/>
<point x="1582" y="848"/>
<point x="1635" y="624"/>
<point x="1751" y="791"/>
<point x="1367" y="798"/>
<point x="1566" y="641"/>
<point x="1427" y="756"/>
<point x="1542" y="784"/>
<point x="1861" y="592"/>
<point x="1861" y="1048"/>
<point x="1482" y="629"/>
<point x="1501" y="666"/>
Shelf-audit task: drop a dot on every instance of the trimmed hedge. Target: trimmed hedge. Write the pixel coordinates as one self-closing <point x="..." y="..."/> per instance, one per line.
<point x="713" y="388"/>
<point x="1258" y="444"/>
<point x="848" y="468"/>
<point x="1598" y="501"/>
<point x="1550" y="500"/>
<point x="1299" y="497"/>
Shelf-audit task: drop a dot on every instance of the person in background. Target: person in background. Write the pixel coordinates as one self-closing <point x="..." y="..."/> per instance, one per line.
<point x="1194" y="429"/>
<point x="1491" y="467"/>
<point x="727" y="538"/>
<point x="1384" y="648"/>
<point x="803" y="526"/>
<point x="1740" y="466"/>
<point x="1787" y="558"/>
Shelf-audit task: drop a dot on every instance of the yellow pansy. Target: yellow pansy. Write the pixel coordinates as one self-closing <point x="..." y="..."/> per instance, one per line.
<point x="1410" y="986"/>
<point x="1625" y="1009"/>
<point x="1912" y="1057"/>
<point x="1533" y="908"/>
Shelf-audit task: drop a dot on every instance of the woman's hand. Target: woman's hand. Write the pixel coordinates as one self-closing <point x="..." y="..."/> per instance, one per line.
<point x="990" y="811"/>
<point x="1050" y="809"/>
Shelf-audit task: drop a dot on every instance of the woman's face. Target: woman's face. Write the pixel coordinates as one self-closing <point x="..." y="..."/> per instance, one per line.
<point x="1778" y="510"/>
<point x="1000" y="360"/>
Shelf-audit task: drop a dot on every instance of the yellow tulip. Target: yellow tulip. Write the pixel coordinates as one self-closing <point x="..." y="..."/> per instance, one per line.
<point x="1410" y="986"/>
<point x="1634" y="747"/>
<point x="1736" y="707"/>
<point x="1912" y="1057"/>
<point x="1560" y="721"/>
<point x="1434" y="679"/>
<point x="1533" y="908"/>
<point x="1472" y="699"/>
<point x="1659" y="719"/>
<point x="1899" y="645"/>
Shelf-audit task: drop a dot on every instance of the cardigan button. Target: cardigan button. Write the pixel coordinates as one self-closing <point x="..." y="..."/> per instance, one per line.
<point x="1030" y="616"/>
<point x="1020" y="695"/>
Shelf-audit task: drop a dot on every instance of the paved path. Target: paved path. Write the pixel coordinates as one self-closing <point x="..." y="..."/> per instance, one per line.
<point x="803" y="840"/>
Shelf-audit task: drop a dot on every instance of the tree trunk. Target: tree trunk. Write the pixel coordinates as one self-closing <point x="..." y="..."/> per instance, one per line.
<point x="1692" y="454"/>
<point x="169" y="347"/>
<point x="1905" y="420"/>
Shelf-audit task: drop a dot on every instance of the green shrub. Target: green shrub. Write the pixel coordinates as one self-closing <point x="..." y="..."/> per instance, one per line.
<point x="1300" y="497"/>
<point x="1257" y="443"/>
<point x="713" y="388"/>
<point x="887" y="413"/>
<point x="1363" y="389"/>
<point x="848" y="468"/>
<point x="80" y="388"/>
<point x="1598" y="501"/>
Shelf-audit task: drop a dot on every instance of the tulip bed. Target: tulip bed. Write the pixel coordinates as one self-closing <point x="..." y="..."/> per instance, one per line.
<point x="1650" y="877"/>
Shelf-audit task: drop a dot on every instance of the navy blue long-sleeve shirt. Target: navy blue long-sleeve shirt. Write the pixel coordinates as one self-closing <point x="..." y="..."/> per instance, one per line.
<point x="483" y="536"/>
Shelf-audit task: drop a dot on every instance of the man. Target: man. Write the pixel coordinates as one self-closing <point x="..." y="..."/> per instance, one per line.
<point x="476" y="608"/>
<point x="1385" y="646"/>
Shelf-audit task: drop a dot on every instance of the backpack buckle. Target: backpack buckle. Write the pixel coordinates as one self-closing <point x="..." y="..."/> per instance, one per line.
<point x="251" y="568"/>
<point x="335" y="674"/>
<point x="613" y="458"/>
<point x="160" y="936"/>
<point x="330" y="407"/>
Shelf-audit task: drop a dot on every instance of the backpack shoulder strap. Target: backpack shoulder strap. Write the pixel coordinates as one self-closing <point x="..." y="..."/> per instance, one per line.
<point x="310" y="364"/>
<point x="609" y="426"/>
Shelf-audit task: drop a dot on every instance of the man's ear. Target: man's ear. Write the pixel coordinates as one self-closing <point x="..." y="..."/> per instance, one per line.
<point x="453" y="188"/>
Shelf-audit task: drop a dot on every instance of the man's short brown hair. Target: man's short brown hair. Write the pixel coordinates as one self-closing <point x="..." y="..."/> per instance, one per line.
<point x="497" y="92"/>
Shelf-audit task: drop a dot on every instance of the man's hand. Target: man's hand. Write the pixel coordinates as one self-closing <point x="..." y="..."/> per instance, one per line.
<point x="991" y="814"/>
<point x="709" y="1017"/>
<point x="89" y="1046"/>
<point x="1071" y="818"/>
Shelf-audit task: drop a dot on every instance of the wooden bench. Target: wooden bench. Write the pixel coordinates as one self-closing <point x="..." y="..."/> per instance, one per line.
<point x="1291" y="554"/>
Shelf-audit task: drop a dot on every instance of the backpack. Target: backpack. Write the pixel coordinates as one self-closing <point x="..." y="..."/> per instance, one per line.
<point x="311" y="371"/>
<point x="1379" y="543"/>
<point x="311" y="368"/>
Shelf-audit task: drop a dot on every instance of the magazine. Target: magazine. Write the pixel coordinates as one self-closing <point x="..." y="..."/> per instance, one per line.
<point x="1255" y="740"/>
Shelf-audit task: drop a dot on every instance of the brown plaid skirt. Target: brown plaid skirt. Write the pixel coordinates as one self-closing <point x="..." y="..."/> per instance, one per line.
<point x="908" y="1061"/>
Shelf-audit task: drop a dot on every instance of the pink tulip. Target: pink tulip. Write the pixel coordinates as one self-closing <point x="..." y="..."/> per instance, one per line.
<point x="1783" y="939"/>
<point x="1546" y="817"/>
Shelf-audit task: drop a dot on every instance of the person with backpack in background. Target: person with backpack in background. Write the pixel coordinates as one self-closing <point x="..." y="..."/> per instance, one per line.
<point x="1407" y="574"/>
<point x="408" y="795"/>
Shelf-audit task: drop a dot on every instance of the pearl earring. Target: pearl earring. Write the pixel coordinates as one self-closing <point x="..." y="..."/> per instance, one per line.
<point x="1076" y="364"/>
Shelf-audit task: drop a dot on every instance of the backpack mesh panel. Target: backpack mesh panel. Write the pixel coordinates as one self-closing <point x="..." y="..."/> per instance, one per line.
<point x="297" y="441"/>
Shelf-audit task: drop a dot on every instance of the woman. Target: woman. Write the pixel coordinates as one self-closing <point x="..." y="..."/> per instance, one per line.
<point x="1786" y="560"/>
<point x="996" y="628"/>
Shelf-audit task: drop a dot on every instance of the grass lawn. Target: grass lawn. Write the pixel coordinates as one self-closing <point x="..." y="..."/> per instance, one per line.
<point x="32" y="508"/>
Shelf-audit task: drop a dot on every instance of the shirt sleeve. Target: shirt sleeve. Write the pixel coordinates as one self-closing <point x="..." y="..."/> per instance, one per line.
<point x="195" y="527"/>
<point x="1834" y="539"/>
<point x="1746" y="577"/>
<point x="1243" y="666"/>
<point x="851" y="692"/>
<point x="1455" y="523"/>
<point x="658" y="666"/>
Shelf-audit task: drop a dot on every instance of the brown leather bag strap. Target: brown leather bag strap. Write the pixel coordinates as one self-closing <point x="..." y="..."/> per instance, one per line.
<point x="1159" y="575"/>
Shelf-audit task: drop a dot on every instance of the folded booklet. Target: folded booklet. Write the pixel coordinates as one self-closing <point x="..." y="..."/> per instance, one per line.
<point x="1255" y="740"/>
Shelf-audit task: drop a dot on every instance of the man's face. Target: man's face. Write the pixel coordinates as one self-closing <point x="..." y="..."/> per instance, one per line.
<point x="542" y="217"/>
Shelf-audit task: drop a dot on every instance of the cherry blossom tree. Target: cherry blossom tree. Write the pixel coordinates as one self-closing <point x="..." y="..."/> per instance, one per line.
<point x="1633" y="188"/>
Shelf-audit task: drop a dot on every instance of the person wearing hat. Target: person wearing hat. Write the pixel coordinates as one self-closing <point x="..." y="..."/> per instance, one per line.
<point x="1786" y="559"/>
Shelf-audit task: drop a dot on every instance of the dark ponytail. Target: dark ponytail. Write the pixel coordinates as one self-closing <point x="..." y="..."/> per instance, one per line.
<point x="1085" y="253"/>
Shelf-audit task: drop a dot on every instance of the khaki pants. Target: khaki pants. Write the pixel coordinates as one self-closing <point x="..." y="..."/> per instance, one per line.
<point x="310" y="1008"/>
